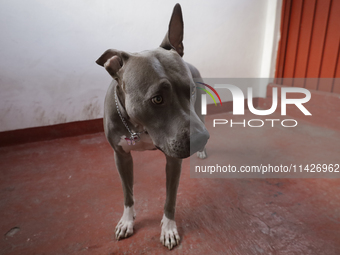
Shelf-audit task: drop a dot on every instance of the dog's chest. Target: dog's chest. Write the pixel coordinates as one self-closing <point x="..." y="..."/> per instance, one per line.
<point x="145" y="143"/>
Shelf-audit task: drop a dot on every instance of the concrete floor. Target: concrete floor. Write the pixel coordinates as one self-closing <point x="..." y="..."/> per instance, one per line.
<point x="64" y="197"/>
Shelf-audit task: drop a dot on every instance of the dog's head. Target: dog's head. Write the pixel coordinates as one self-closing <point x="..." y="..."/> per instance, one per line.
<point x="157" y="91"/>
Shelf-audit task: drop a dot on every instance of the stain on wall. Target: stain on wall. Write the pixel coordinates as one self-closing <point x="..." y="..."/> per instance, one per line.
<point x="91" y="110"/>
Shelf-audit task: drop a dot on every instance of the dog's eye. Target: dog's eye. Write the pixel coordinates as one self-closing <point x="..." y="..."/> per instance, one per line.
<point x="157" y="100"/>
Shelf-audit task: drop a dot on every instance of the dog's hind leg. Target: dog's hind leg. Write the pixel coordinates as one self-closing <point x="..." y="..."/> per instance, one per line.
<point x="169" y="235"/>
<point x="124" y="165"/>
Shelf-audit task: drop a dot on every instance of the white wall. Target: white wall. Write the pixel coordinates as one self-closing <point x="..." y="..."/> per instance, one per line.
<point x="48" y="49"/>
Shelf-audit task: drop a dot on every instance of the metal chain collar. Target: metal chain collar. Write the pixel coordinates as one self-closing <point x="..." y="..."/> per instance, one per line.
<point x="135" y="137"/>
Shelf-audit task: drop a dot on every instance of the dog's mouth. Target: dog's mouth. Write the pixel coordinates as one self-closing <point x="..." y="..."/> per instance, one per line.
<point x="159" y="148"/>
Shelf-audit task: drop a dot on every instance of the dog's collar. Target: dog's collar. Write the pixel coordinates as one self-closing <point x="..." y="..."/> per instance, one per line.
<point x="134" y="136"/>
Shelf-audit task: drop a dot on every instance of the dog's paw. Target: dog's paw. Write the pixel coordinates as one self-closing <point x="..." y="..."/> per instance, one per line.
<point x="169" y="235"/>
<point x="202" y="154"/>
<point x="124" y="227"/>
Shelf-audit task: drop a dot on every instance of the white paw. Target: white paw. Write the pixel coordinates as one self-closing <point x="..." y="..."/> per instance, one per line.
<point x="124" y="227"/>
<point x="202" y="154"/>
<point x="169" y="235"/>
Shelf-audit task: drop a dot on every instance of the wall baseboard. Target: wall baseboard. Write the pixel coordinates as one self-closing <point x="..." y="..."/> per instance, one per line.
<point x="37" y="134"/>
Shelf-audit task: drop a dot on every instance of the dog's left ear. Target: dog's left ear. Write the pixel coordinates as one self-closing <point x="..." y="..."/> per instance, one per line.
<point x="174" y="37"/>
<point x="113" y="60"/>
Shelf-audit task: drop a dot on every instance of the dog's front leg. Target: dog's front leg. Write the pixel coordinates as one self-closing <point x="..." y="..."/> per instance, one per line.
<point x="124" y="165"/>
<point x="198" y="104"/>
<point x="169" y="234"/>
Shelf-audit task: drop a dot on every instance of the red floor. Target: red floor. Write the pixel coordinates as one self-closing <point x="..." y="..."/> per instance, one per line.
<point x="64" y="197"/>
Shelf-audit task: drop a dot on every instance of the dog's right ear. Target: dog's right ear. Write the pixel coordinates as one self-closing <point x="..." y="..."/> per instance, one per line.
<point x="112" y="61"/>
<point x="174" y="37"/>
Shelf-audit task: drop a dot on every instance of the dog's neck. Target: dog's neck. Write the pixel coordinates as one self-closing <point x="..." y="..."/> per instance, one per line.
<point x="120" y="102"/>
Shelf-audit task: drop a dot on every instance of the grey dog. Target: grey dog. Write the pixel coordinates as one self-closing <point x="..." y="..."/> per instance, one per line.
<point x="152" y="103"/>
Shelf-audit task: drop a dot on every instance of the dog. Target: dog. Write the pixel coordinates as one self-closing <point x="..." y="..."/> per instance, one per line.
<point x="152" y="103"/>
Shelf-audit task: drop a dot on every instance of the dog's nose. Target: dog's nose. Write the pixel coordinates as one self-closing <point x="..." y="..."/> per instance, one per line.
<point x="198" y="141"/>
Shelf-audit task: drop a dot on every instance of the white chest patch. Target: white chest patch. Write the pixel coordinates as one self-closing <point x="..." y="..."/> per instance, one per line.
<point x="145" y="143"/>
